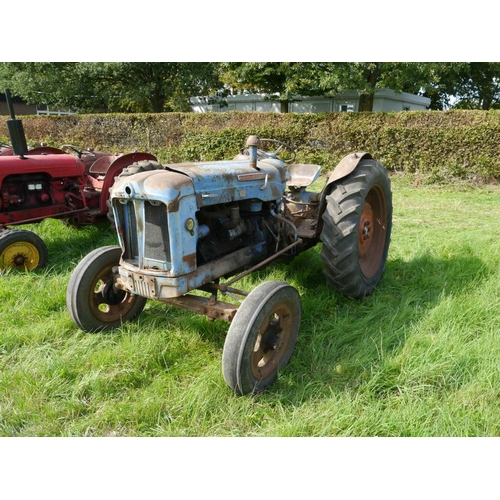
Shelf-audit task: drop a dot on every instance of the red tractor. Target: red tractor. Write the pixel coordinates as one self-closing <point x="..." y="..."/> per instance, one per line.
<point x="47" y="182"/>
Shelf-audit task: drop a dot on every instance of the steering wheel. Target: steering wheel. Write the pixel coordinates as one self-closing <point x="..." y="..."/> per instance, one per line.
<point x="274" y="154"/>
<point x="79" y="152"/>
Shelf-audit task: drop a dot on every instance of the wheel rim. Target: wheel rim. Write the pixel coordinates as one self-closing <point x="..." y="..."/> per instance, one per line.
<point x="108" y="304"/>
<point x="20" y="255"/>
<point x="372" y="231"/>
<point x="272" y="341"/>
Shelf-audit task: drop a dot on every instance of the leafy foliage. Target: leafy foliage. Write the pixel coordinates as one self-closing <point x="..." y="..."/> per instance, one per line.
<point x="166" y="86"/>
<point x="111" y="87"/>
<point x="440" y="145"/>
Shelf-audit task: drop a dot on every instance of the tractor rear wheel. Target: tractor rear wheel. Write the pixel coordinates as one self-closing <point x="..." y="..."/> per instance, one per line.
<point x="141" y="166"/>
<point x="22" y="249"/>
<point x="356" y="233"/>
<point x="261" y="338"/>
<point x="93" y="302"/>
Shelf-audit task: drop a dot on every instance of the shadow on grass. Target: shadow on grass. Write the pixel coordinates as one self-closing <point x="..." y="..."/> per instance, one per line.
<point x="67" y="244"/>
<point x="342" y="339"/>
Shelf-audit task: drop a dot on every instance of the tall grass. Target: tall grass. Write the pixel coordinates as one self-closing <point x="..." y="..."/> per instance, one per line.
<point x="419" y="357"/>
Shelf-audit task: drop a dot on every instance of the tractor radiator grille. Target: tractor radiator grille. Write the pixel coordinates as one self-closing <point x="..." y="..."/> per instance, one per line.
<point x="156" y="239"/>
<point x="145" y="225"/>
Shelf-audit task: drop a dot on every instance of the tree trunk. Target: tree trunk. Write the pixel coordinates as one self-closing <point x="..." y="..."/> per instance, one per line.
<point x="284" y="106"/>
<point x="156" y="103"/>
<point x="366" y="102"/>
<point x="486" y="103"/>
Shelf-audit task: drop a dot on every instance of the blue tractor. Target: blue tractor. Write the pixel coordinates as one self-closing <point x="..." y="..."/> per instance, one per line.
<point x="203" y="226"/>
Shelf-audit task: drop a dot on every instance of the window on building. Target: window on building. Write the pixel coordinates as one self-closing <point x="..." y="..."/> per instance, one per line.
<point x="346" y="107"/>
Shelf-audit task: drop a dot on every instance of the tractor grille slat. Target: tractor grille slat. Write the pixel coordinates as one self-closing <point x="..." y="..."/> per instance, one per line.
<point x="145" y="225"/>
<point x="157" y="245"/>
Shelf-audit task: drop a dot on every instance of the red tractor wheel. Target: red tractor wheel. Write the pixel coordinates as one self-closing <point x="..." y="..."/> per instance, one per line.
<point x="22" y="250"/>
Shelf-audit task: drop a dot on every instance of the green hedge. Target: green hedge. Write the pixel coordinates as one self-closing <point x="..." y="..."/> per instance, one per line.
<point x="437" y="145"/>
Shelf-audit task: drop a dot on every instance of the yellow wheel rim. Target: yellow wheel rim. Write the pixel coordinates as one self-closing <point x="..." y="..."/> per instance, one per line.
<point x="20" y="255"/>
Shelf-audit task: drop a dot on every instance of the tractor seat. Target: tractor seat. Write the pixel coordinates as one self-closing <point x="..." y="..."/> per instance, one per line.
<point x="302" y="175"/>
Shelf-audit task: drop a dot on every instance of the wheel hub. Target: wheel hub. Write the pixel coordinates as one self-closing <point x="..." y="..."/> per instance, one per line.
<point x="19" y="260"/>
<point x="372" y="232"/>
<point x="21" y="255"/>
<point x="271" y="342"/>
<point x="365" y="230"/>
<point x="270" y="339"/>
<point x="111" y="294"/>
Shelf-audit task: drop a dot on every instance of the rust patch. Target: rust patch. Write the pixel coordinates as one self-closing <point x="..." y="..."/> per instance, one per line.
<point x="173" y="205"/>
<point x="190" y="260"/>
<point x="201" y="305"/>
<point x="347" y="165"/>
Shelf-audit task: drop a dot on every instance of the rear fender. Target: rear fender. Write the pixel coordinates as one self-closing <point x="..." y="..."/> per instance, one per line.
<point x="114" y="168"/>
<point x="343" y="169"/>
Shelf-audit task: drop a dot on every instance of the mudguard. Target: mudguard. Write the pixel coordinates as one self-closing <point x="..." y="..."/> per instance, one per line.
<point x="344" y="168"/>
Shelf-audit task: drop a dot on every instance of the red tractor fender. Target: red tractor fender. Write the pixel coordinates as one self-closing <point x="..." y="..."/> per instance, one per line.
<point x="46" y="150"/>
<point x="40" y="150"/>
<point x="111" y="166"/>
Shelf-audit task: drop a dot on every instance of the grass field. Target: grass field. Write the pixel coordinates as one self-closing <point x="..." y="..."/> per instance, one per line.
<point x="419" y="357"/>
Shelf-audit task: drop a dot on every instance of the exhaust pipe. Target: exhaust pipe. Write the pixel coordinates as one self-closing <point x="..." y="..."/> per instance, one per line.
<point x="253" y="143"/>
<point x="16" y="130"/>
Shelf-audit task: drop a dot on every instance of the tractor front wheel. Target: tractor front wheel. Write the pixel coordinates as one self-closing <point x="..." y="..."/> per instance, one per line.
<point x="261" y="338"/>
<point x="21" y="249"/>
<point x="93" y="302"/>
<point x="356" y="233"/>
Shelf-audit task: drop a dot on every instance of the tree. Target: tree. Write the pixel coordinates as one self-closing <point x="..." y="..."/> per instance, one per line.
<point x="66" y="85"/>
<point x="112" y="87"/>
<point x="157" y="87"/>
<point x="281" y="80"/>
<point x="440" y="82"/>
<point x="478" y="86"/>
<point x="367" y="77"/>
<point x="470" y="85"/>
<point x="286" y="81"/>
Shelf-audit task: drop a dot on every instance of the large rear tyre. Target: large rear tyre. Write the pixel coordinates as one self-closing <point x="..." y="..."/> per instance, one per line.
<point x="356" y="233"/>
<point x="141" y="166"/>
<point x="23" y="250"/>
<point x="261" y="338"/>
<point x="93" y="302"/>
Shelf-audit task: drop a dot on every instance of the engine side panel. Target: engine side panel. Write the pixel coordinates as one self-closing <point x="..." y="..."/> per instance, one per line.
<point x="58" y="166"/>
<point x="170" y="245"/>
<point x="39" y="186"/>
<point x="232" y="181"/>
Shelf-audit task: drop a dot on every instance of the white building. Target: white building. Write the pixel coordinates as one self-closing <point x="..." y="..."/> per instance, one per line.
<point x="384" y="100"/>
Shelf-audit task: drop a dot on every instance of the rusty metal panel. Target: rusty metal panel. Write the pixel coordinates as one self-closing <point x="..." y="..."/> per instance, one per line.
<point x="216" y="309"/>
<point x="347" y="165"/>
<point x="232" y="181"/>
<point x="161" y="285"/>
